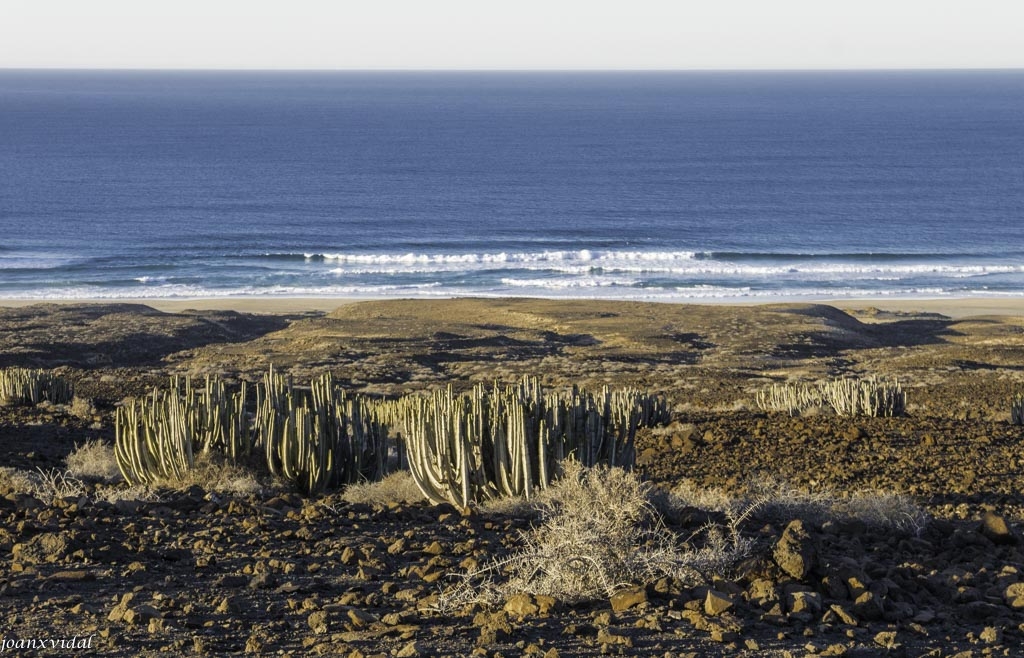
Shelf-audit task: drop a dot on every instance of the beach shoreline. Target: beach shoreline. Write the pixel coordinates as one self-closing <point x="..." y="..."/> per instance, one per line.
<point x="952" y="307"/>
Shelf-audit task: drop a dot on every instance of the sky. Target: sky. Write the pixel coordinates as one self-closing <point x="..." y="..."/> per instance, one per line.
<point x="511" y="34"/>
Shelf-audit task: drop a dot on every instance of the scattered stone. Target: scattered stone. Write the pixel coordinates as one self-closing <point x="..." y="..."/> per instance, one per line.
<point x="604" y="636"/>
<point x="997" y="529"/>
<point x="253" y="645"/>
<point x="886" y="640"/>
<point x="868" y="607"/>
<point x="795" y="552"/>
<point x="715" y="603"/>
<point x="140" y="614"/>
<point x="74" y="576"/>
<point x="1014" y="596"/>
<point x="360" y="618"/>
<point x="318" y="622"/>
<point x="991" y="635"/>
<point x="410" y="650"/>
<point x="804" y="603"/>
<point x="349" y="557"/>
<point x="545" y="603"/>
<point x="628" y="598"/>
<point x="47" y="547"/>
<point x="521" y="605"/>
<point x="843" y="614"/>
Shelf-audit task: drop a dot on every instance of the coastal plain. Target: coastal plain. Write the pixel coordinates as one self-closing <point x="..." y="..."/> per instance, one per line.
<point x="195" y="571"/>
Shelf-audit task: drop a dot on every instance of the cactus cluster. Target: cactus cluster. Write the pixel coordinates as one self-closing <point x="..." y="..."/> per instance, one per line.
<point x="509" y="441"/>
<point x="323" y="440"/>
<point x="316" y="438"/>
<point x="845" y="396"/>
<point x="491" y="442"/>
<point x="158" y="436"/>
<point x="1017" y="409"/>
<point x="28" y="386"/>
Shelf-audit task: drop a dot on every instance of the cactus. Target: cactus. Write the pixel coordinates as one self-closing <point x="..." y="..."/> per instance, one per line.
<point x="509" y="441"/>
<point x="321" y="440"/>
<point x="846" y="396"/>
<point x="497" y="441"/>
<point x="27" y="386"/>
<point x="791" y="398"/>
<point x="1017" y="409"/>
<point x="865" y="397"/>
<point x="158" y="436"/>
<point x="152" y="439"/>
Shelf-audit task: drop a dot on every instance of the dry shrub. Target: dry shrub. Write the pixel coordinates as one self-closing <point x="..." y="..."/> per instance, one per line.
<point x="13" y="480"/>
<point x="215" y="474"/>
<point x="47" y="486"/>
<point x="598" y="533"/>
<point x="94" y="460"/>
<point x="687" y="494"/>
<point x="884" y="509"/>
<point x="399" y="487"/>
<point x="82" y="408"/>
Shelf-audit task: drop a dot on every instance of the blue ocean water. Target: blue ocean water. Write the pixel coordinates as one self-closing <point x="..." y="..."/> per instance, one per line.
<point x="664" y="186"/>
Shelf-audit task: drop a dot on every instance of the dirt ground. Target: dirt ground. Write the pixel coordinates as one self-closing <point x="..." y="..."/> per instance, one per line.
<point x="195" y="571"/>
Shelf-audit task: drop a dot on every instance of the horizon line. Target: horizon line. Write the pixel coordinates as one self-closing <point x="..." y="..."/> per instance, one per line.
<point x="128" y="69"/>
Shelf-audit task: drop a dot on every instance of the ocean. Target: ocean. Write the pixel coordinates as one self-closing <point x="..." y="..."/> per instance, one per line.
<point x="649" y="186"/>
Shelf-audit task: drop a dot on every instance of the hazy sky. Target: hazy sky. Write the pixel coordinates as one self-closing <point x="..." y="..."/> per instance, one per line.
<point x="511" y="34"/>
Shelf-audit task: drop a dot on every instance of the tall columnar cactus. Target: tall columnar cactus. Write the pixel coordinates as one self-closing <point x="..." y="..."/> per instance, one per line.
<point x="845" y="396"/>
<point x="791" y="398"/>
<point x="152" y="438"/>
<point x="509" y="441"/>
<point x="320" y="440"/>
<point x="29" y="386"/>
<point x="158" y="436"/>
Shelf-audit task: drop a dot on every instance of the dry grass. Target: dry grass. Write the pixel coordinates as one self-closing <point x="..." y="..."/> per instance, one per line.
<point x="47" y="486"/>
<point x="776" y="500"/>
<point x="399" y="487"/>
<point x="215" y="474"/>
<point x="884" y="509"/>
<point x="82" y="408"/>
<point x="94" y="460"/>
<point x="14" y="480"/>
<point x="139" y="492"/>
<point x="598" y="533"/>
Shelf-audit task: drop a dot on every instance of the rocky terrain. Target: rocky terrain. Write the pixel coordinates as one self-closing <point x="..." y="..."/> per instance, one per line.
<point x="196" y="570"/>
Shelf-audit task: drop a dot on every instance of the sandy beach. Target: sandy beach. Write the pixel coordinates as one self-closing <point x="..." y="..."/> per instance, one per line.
<point x="953" y="307"/>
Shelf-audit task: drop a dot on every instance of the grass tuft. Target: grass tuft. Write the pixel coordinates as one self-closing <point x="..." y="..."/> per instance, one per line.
<point x="94" y="460"/>
<point x="399" y="487"/>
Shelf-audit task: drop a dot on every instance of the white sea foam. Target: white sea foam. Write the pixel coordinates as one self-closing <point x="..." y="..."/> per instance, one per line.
<point x="582" y="273"/>
<point x="668" y="263"/>
<point x="552" y="290"/>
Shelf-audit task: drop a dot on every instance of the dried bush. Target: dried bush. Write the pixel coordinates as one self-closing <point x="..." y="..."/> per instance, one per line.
<point x="598" y="533"/>
<point x="216" y="474"/>
<point x="82" y="408"/>
<point x="399" y="487"/>
<point x="47" y="486"/>
<point x="94" y="460"/>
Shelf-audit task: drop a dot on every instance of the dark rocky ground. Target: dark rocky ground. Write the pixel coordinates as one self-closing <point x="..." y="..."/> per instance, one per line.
<point x="198" y="572"/>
